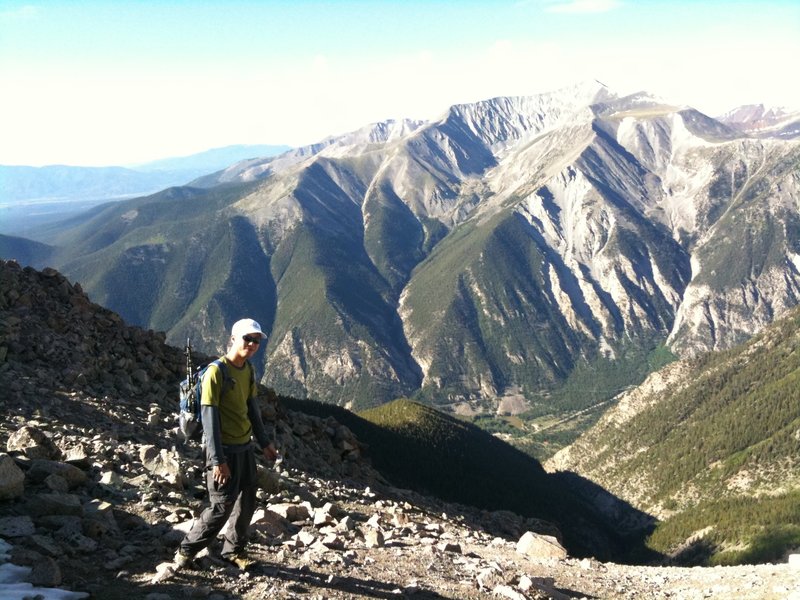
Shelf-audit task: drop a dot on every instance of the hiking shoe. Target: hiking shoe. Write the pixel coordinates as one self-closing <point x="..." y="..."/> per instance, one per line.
<point x="183" y="561"/>
<point x="240" y="560"/>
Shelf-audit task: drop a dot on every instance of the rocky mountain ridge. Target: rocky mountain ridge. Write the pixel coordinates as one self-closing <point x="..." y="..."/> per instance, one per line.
<point x="96" y="491"/>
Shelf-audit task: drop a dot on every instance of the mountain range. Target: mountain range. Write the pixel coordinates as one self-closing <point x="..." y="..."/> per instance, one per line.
<point x="30" y="196"/>
<point x="480" y="262"/>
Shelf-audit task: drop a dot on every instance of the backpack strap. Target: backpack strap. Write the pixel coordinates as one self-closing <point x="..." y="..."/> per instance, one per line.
<point x="252" y="376"/>
<point x="227" y="380"/>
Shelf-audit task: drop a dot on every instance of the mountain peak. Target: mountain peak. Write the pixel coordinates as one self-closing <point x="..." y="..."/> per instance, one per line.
<point x="589" y="91"/>
<point x="389" y="130"/>
<point x="764" y="121"/>
<point x="751" y="112"/>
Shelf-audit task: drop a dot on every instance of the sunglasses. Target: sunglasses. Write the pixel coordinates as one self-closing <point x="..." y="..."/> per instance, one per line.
<point x="251" y="340"/>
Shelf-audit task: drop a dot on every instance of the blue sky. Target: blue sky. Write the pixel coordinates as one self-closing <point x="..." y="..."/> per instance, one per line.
<point x="101" y="82"/>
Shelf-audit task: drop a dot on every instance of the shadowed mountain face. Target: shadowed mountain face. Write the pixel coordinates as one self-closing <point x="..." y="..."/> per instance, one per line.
<point x="469" y="260"/>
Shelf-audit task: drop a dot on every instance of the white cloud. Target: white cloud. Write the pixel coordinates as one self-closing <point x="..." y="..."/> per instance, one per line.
<point x="581" y="6"/>
<point x="20" y="13"/>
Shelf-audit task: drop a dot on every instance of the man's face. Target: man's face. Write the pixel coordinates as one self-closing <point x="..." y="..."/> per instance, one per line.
<point x="247" y="345"/>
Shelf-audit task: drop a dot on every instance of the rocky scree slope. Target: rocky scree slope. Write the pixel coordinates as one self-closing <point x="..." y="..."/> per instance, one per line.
<point x="95" y="493"/>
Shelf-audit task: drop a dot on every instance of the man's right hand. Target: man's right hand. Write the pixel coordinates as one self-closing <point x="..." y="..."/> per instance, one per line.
<point x="221" y="473"/>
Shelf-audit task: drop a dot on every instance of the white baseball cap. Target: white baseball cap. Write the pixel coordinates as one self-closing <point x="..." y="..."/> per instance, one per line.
<point x="244" y="327"/>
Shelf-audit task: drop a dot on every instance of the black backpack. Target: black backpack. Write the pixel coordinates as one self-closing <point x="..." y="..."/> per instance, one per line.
<point x="190" y="423"/>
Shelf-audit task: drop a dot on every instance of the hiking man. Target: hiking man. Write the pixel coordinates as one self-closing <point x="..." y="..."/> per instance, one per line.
<point x="230" y="417"/>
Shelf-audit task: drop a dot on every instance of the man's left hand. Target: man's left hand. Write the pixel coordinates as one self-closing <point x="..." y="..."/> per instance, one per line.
<point x="270" y="453"/>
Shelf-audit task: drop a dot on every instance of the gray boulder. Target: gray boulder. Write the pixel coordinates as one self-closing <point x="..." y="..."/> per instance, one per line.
<point x="12" y="479"/>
